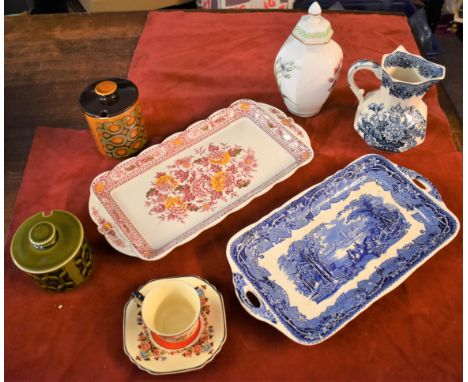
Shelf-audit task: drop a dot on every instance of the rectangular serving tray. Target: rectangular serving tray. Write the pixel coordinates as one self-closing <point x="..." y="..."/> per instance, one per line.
<point x="150" y="204"/>
<point x="331" y="251"/>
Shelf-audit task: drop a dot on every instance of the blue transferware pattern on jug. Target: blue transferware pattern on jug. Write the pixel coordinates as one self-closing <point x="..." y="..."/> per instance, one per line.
<point x="404" y="90"/>
<point x="402" y="59"/>
<point x="392" y="129"/>
<point x="431" y="73"/>
<point x="337" y="251"/>
<point x="393" y="118"/>
<point x="247" y="249"/>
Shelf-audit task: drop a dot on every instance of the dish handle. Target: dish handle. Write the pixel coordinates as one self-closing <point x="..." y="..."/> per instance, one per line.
<point x="288" y="122"/>
<point x="251" y="301"/>
<point x="422" y="182"/>
<point x="107" y="227"/>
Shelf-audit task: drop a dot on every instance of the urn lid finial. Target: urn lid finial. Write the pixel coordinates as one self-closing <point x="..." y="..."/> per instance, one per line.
<point x="313" y="29"/>
<point x="315" y="9"/>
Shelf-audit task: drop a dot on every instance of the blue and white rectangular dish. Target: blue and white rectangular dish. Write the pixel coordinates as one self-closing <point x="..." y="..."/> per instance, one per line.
<point x="327" y="254"/>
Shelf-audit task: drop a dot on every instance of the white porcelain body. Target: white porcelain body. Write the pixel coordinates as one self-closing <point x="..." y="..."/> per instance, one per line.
<point x="414" y="110"/>
<point x="306" y="74"/>
<point x="394" y="117"/>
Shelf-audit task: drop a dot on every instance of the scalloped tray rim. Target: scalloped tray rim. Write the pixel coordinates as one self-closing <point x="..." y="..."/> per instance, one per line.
<point x="94" y="201"/>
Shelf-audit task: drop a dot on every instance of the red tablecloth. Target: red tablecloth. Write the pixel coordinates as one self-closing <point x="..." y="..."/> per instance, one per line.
<point x="188" y="65"/>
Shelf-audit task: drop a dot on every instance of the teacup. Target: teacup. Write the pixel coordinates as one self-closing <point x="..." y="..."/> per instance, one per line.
<point x="171" y="311"/>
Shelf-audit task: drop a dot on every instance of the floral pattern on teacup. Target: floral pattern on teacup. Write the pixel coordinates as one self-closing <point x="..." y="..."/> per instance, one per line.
<point x="198" y="182"/>
<point x="204" y="344"/>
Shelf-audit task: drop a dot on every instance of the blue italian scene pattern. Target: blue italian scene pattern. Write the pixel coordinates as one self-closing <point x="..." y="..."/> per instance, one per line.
<point x="335" y="252"/>
<point x="394" y="129"/>
<point x="382" y="224"/>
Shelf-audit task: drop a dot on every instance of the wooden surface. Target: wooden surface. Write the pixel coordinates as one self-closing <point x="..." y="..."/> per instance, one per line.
<point x="126" y="6"/>
<point x="49" y="59"/>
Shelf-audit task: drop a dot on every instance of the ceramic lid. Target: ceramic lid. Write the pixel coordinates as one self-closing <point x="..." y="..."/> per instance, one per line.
<point x="109" y="97"/>
<point x="44" y="243"/>
<point x="313" y="29"/>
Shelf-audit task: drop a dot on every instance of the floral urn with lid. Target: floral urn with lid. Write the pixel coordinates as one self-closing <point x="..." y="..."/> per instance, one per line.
<point x="308" y="64"/>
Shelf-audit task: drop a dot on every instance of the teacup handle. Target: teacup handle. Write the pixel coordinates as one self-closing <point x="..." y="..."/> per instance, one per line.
<point x="358" y="65"/>
<point x="250" y="300"/>
<point x="137" y="297"/>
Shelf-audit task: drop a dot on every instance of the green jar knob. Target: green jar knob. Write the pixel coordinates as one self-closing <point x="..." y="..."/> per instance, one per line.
<point x="42" y="235"/>
<point x="52" y="249"/>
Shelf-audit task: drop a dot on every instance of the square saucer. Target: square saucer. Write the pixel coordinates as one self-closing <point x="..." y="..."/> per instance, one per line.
<point x="158" y="360"/>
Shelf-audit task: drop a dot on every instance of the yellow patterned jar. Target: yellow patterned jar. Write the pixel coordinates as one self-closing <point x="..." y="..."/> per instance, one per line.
<point x="53" y="250"/>
<point x="113" y="113"/>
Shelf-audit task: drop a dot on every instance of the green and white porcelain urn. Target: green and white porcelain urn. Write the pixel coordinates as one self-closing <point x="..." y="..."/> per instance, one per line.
<point x="308" y="64"/>
<point x="53" y="250"/>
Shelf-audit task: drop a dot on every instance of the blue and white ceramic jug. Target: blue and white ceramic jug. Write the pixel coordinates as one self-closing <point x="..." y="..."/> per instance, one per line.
<point x="393" y="118"/>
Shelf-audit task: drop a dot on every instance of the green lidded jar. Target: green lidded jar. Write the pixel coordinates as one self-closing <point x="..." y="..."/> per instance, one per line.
<point x="53" y="250"/>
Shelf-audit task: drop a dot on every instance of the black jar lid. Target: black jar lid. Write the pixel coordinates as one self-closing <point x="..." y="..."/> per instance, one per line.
<point x="109" y="97"/>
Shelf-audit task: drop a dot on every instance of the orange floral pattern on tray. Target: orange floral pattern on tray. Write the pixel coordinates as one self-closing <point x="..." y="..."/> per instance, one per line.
<point x="198" y="182"/>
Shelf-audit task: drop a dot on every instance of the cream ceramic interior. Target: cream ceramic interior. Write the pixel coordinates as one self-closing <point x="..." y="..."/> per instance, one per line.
<point x="171" y="308"/>
<point x="408" y="75"/>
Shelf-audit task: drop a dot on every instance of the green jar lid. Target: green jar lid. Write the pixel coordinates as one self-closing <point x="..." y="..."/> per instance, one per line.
<point x="44" y="243"/>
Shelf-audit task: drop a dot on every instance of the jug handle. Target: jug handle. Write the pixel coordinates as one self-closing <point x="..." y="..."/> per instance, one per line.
<point x="358" y="65"/>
